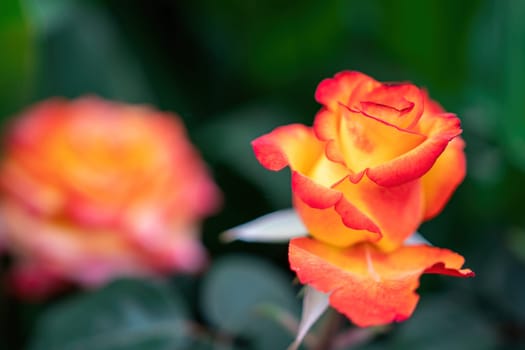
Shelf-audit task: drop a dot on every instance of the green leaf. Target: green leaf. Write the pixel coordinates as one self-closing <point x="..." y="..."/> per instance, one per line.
<point x="126" y="314"/>
<point x="236" y="294"/>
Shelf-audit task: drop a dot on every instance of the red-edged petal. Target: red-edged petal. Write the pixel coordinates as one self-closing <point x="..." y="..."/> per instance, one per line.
<point x="431" y="106"/>
<point x="418" y="161"/>
<point x="359" y="142"/>
<point x="444" y="177"/>
<point x="341" y="225"/>
<point x="329" y="216"/>
<point x="369" y="286"/>
<point x="294" y="145"/>
<point x="397" y="210"/>
<point x="365" y="141"/>
<point x="343" y="88"/>
<point x="327" y="128"/>
<point x="313" y="194"/>
<point x="326" y="124"/>
<point x="398" y="104"/>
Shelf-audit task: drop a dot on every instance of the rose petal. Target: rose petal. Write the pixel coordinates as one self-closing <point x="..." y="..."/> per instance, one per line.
<point x="313" y="194"/>
<point x="327" y="172"/>
<point x="397" y="211"/>
<point x="38" y="197"/>
<point x="294" y="145"/>
<point x="329" y="216"/>
<point x="369" y="286"/>
<point x="90" y="257"/>
<point x="333" y="93"/>
<point x="327" y="225"/>
<point x="444" y="177"/>
<point x="359" y="144"/>
<point x="364" y="141"/>
<point x="397" y="104"/>
<point x="344" y="88"/>
<point x="418" y="161"/>
<point x="312" y="176"/>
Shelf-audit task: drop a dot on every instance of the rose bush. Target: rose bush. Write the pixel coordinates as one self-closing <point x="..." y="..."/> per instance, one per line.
<point x="93" y="189"/>
<point x="379" y="160"/>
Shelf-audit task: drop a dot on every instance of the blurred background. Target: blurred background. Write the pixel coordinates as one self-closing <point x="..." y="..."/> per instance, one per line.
<point x="234" y="70"/>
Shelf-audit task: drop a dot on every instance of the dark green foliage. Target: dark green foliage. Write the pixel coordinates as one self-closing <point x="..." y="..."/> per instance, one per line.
<point x="126" y="314"/>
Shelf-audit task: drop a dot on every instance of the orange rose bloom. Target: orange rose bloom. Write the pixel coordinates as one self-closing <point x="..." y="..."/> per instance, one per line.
<point x="379" y="160"/>
<point x="93" y="189"/>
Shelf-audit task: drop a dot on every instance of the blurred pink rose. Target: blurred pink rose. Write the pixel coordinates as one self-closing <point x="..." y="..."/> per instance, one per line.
<point x="93" y="189"/>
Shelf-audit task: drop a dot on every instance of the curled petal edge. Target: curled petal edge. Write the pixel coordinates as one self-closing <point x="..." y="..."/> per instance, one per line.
<point x="319" y="197"/>
<point x="369" y="286"/>
<point x="286" y="145"/>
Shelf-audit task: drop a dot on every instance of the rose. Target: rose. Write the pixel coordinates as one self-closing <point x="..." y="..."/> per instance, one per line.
<point x="379" y="159"/>
<point x="93" y="189"/>
<point x="366" y="169"/>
